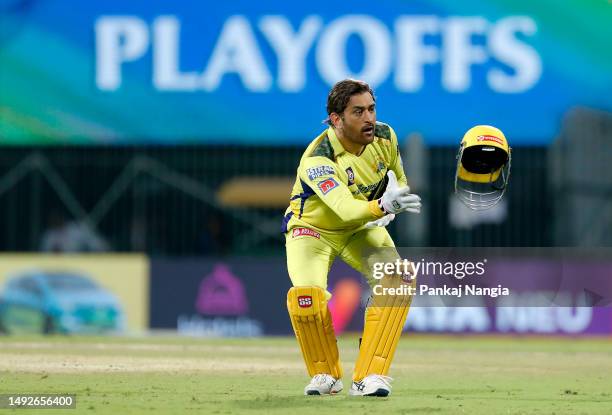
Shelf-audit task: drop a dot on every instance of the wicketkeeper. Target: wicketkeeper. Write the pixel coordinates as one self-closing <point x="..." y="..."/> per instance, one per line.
<point x="350" y="184"/>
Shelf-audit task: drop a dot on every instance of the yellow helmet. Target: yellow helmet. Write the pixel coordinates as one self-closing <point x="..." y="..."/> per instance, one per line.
<point x="483" y="167"/>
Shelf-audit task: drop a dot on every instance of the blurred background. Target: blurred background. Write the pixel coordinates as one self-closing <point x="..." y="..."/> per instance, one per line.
<point x="156" y="143"/>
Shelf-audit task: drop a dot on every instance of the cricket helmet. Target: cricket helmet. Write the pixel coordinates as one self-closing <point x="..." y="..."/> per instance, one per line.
<point x="483" y="167"/>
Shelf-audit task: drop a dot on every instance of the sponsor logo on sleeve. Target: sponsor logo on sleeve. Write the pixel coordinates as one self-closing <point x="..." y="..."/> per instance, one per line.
<point x="351" y="176"/>
<point x="327" y="185"/>
<point x="490" y="138"/>
<point x="320" y="171"/>
<point x="305" y="301"/>
<point x="304" y="231"/>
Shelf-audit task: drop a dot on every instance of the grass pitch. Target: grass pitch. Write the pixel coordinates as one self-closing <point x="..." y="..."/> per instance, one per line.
<point x="433" y="375"/>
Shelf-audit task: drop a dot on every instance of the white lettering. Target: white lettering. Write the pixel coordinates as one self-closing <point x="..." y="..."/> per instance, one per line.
<point x="236" y="51"/>
<point x="412" y="53"/>
<point x="331" y="51"/>
<point x="543" y="319"/>
<point x="455" y="45"/>
<point x="166" y="46"/>
<point x="574" y="320"/>
<point x="118" y="39"/>
<point x="290" y="48"/>
<point x="460" y="53"/>
<point x="520" y="57"/>
<point x="469" y="318"/>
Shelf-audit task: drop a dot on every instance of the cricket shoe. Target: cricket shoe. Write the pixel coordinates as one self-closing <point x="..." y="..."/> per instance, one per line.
<point x="323" y="384"/>
<point x="372" y="385"/>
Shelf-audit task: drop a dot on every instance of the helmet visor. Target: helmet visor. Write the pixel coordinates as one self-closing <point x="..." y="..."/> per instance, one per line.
<point x="482" y="176"/>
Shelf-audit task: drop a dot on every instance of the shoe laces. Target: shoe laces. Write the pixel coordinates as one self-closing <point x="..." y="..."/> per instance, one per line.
<point x="321" y="379"/>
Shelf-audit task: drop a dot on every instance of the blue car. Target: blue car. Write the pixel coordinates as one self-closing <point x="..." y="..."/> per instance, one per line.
<point x="58" y="302"/>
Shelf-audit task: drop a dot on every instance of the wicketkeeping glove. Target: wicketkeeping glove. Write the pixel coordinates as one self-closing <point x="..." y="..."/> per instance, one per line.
<point x="398" y="199"/>
<point x="382" y="222"/>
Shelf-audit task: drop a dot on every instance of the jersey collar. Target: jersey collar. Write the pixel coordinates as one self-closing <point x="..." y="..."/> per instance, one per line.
<point x="335" y="142"/>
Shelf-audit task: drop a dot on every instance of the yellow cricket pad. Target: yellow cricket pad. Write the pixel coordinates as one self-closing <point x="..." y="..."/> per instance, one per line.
<point x="311" y="321"/>
<point x="384" y="322"/>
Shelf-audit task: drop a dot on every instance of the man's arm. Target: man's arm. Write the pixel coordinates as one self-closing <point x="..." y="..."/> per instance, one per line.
<point x="397" y="197"/>
<point x="396" y="160"/>
<point x="320" y="174"/>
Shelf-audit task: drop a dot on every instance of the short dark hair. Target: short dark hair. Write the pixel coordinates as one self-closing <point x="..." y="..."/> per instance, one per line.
<point x="341" y="93"/>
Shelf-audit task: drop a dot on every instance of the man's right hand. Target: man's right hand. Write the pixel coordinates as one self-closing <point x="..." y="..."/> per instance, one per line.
<point x="398" y="199"/>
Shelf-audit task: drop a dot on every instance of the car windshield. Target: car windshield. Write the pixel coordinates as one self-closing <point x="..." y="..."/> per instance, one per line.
<point x="69" y="282"/>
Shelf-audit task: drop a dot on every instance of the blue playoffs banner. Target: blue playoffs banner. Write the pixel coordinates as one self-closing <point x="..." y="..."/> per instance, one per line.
<point x="160" y="72"/>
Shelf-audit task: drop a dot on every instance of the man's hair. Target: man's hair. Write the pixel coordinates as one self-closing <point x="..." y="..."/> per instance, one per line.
<point x="341" y="93"/>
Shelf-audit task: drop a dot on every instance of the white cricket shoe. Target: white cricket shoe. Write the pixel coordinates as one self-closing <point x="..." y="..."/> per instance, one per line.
<point x="372" y="385"/>
<point x="323" y="384"/>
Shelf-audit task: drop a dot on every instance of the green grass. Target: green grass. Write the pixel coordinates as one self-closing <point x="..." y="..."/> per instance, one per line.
<point x="433" y="375"/>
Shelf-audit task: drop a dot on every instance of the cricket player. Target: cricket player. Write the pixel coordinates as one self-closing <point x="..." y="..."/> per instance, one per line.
<point x="350" y="184"/>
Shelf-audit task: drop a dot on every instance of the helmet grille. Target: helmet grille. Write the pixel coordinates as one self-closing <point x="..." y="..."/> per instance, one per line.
<point x="483" y="159"/>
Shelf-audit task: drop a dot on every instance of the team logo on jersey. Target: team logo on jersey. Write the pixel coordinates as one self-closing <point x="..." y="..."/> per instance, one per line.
<point x="305" y="231"/>
<point x="380" y="166"/>
<point x="320" y="171"/>
<point x="351" y="176"/>
<point x="305" y="301"/>
<point x="327" y="185"/>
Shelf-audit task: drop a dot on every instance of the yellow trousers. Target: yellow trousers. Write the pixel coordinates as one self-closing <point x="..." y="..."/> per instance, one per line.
<point x="310" y="254"/>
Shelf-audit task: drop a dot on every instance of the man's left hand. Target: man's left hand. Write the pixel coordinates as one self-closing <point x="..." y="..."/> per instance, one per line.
<point x="382" y="222"/>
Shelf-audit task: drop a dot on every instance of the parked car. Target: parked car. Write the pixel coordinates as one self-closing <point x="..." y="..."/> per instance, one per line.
<point x="58" y="302"/>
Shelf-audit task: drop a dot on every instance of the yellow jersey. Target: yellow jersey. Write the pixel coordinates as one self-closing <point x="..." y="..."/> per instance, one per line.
<point x="337" y="191"/>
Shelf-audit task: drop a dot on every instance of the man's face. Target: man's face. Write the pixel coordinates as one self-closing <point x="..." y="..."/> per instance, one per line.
<point x="358" y="119"/>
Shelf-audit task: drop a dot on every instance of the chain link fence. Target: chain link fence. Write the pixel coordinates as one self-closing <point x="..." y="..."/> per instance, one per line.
<point x="167" y="201"/>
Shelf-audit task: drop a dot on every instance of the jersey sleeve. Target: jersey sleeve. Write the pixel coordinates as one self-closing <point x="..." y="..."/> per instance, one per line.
<point x="321" y="175"/>
<point x="396" y="160"/>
